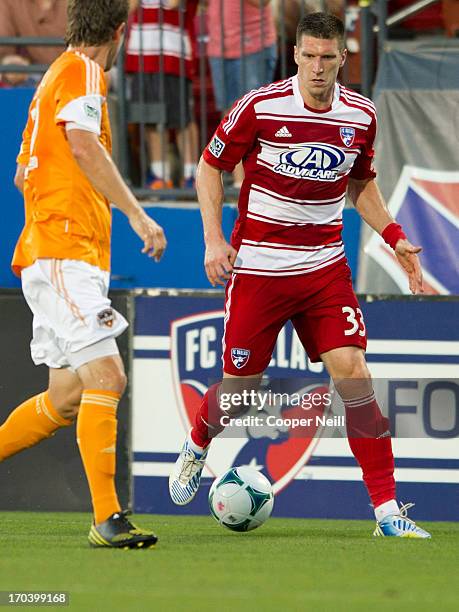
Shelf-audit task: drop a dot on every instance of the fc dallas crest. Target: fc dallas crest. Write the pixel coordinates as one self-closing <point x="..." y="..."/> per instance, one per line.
<point x="277" y="451"/>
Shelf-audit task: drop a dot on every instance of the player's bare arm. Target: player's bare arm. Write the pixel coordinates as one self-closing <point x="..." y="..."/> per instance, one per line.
<point x="19" y="177"/>
<point x="101" y="171"/>
<point x="220" y="256"/>
<point x="371" y="206"/>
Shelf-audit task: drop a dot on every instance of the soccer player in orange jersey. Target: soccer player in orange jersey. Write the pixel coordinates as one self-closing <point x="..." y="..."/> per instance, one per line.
<point x="68" y="179"/>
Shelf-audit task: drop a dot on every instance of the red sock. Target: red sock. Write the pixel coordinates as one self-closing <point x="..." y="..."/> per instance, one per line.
<point x="207" y="424"/>
<point x="370" y="441"/>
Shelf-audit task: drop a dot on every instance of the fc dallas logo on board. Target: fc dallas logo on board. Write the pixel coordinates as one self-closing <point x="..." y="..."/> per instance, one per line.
<point x="278" y="451"/>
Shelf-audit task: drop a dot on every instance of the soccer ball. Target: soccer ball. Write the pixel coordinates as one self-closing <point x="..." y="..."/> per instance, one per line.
<point x="242" y="499"/>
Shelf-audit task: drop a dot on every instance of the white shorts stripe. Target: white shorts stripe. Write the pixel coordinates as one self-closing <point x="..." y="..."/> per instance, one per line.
<point x="227" y="316"/>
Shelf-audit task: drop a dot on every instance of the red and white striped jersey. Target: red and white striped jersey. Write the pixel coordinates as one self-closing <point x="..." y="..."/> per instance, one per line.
<point x="297" y="162"/>
<point x="161" y="37"/>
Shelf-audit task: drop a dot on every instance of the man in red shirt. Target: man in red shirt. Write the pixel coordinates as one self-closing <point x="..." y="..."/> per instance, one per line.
<point x="304" y="142"/>
<point x="159" y="40"/>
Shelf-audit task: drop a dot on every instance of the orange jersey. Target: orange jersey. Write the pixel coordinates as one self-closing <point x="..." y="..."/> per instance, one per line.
<point x="65" y="217"/>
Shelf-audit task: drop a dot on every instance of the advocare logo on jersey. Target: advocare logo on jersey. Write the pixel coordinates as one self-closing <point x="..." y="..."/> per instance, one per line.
<point x="313" y="161"/>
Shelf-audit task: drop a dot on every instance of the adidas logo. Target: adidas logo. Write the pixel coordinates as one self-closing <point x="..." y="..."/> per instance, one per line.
<point x="283" y="132"/>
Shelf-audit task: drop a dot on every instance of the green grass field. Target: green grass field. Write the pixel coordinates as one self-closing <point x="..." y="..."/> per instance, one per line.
<point x="287" y="564"/>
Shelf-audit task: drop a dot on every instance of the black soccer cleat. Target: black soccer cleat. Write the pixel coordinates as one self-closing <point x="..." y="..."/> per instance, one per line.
<point x="118" y="532"/>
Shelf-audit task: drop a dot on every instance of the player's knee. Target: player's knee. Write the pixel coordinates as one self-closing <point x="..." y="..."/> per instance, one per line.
<point x="69" y="410"/>
<point x="235" y="412"/>
<point x="115" y="381"/>
<point x="354" y="367"/>
<point x="121" y="383"/>
<point x="106" y="374"/>
<point x="238" y="394"/>
<point x="66" y="400"/>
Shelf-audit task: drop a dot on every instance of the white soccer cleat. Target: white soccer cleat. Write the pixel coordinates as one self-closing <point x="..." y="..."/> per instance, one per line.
<point x="186" y="475"/>
<point x="400" y="526"/>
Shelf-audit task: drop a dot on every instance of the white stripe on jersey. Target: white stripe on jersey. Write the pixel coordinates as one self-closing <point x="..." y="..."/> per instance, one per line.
<point x="356" y="96"/>
<point x="302" y="119"/>
<point x="274" y="88"/>
<point x="315" y="120"/>
<point x="292" y="247"/>
<point x="266" y="219"/>
<point x="295" y="200"/>
<point x="152" y="39"/>
<point x="92" y="74"/>
<point x="269" y="220"/>
<point x="285" y="262"/>
<point x="291" y="212"/>
<point x="366" y="106"/>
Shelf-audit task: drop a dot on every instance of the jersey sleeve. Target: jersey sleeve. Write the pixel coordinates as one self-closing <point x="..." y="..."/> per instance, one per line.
<point x="233" y="139"/>
<point x="363" y="165"/>
<point x="24" y="151"/>
<point x="78" y="98"/>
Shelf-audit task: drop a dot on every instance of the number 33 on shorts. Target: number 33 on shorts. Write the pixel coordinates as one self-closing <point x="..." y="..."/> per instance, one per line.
<point x="355" y="320"/>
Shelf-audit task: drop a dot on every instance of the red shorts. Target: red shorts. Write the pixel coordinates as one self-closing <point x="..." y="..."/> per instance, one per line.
<point x="321" y="305"/>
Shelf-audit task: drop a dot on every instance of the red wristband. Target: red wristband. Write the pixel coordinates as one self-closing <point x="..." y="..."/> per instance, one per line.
<point x="392" y="233"/>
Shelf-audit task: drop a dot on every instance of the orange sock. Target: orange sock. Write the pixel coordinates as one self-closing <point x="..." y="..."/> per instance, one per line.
<point x="33" y="421"/>
<point x="96" y="437"/>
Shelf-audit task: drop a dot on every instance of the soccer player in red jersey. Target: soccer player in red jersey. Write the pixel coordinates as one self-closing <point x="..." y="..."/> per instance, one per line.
<point x="304" y="142"/>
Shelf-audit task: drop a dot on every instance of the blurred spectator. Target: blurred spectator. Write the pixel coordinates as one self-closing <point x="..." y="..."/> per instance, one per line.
<point x="155" y="40"/>
<point x="450" y="11"/>
<point x="15" y="79"/>
<point x="229" y="45"/>
<point x="242" y="50"/>
<point x="47" y="18"/>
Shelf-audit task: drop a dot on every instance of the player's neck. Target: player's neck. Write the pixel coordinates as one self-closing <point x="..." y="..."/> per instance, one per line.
<point x="319" y="102"/>
<point x="97" y="54"/>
